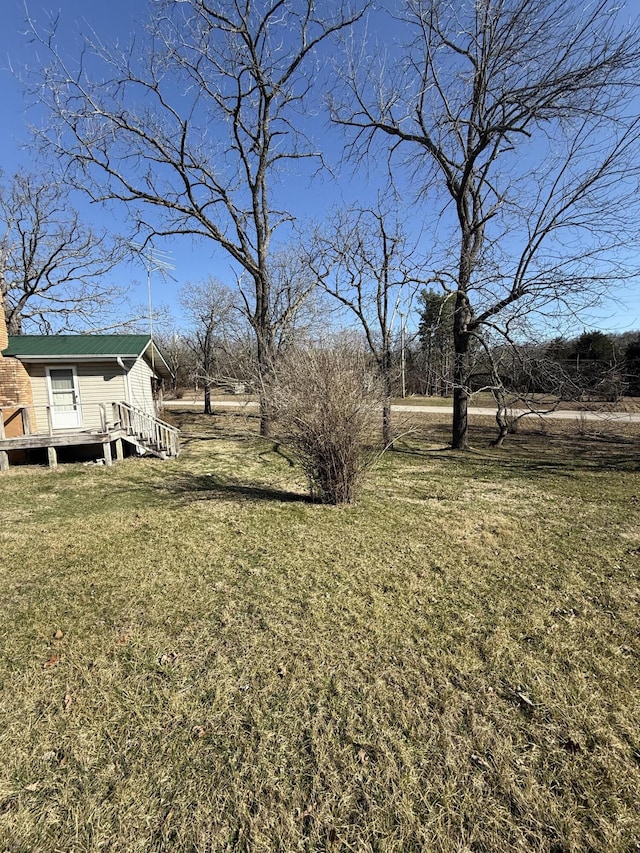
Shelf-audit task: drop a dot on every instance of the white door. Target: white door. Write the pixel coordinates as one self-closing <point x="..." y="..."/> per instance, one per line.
<point x="64" y="397"/>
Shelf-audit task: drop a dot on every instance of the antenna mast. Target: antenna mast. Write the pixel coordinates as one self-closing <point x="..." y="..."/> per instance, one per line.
<point x="155" y="260"/>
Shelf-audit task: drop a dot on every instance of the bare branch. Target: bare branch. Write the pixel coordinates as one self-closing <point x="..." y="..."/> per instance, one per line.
<point x="191" y="129"/>
<point x="517" y="123"/>
<point x="364" y="261"/>
<point x="53" y="269"/>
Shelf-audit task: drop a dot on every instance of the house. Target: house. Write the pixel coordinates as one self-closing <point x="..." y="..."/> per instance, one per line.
<point x="81" y="390"/>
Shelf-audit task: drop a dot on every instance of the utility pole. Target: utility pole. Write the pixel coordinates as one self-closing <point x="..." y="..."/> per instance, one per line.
<point x="402" y="356"/>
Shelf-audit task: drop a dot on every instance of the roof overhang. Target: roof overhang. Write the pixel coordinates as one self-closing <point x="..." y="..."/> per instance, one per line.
<point x="48" y="358"/>
<point x="156" y="360"/>
<point x="151" y="354"/>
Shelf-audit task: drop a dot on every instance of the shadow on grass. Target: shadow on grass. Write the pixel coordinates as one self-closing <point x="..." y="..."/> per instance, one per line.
<point x="273" y="445"/>
<point x="187" y="440"/>
<point x="198" y="427"/>
<point x="210" y="487"/>
<point x="531" y="455"/>
<point x="280" y="451"/>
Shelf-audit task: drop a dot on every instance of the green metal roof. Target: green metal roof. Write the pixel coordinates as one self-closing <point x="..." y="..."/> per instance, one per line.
<point x="81" y="345"/>
<point x="41" y="347"/>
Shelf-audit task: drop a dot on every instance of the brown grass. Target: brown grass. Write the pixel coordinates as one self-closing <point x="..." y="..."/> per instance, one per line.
<point x="485" y="399"/>
<point x="450" y="665"/>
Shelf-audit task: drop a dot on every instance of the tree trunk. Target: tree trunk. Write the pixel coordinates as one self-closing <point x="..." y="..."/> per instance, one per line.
<point x="502" y="412"/>
<point x="503" y="426"/>
<point x="460" y="425"/>
<point x="461" y="342"/>
<point x="265" y="347"/>
<point x="387" y="433"/>
<point x="265" y="375"/>
<point x="14" y="321"/>
<point x="207" y="398"/>
<point x="430" y="382"/>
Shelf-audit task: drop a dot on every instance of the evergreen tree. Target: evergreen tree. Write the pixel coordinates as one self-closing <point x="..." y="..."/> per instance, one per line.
<point x="435" y="333"/>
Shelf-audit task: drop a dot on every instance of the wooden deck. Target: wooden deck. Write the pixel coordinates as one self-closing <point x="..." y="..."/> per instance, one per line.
<point x="64" y="439"/>
<point x="142" y="431"/>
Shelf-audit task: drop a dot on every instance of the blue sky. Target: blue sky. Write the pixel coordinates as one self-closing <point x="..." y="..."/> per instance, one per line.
<point x="116" y="20"/>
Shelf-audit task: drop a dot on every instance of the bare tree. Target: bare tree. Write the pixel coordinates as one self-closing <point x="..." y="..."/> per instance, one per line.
<point x="363" y="260"/>
<point x="192" y="130"/>
<point x="517" y="125"/>
<point x="214" y="329"/>
<point x="293" y="310"/>
<point x="514" y="375"/>
<point x="179" y="356"/>
<point x="52" y="267"/>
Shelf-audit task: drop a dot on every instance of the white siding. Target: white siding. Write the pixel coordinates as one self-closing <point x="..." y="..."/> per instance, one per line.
<point x="99" y="382"/>
<point x="141" y="395"/>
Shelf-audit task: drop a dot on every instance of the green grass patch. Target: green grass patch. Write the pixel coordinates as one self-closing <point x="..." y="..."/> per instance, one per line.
<point x="449" y="665"/>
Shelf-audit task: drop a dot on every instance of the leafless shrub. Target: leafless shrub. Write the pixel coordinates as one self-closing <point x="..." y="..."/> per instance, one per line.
<point x="583" y="426"/>
<point x="327" y="402"/>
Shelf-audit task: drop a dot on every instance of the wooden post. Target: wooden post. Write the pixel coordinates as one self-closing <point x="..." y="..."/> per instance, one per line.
<point x="106" y="447"/>
<point x="103" y="416"/>
<point x="4" y="460"/>
<point x="26" y="420"/>
<point x="2" y="435"/>
<point x="53" y="457"/>
<point x="119" y="450"/>
<point x="49" y="420"/>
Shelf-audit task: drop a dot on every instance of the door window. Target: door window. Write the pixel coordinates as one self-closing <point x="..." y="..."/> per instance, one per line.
<point x="63" y="390"/>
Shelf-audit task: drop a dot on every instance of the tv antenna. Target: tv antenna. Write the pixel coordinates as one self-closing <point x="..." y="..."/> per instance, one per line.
<point x="155" y="260"/>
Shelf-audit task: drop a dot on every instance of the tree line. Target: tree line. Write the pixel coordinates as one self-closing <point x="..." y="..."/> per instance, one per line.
<point x="213" y="353"/>
<point x="594" y="365"/>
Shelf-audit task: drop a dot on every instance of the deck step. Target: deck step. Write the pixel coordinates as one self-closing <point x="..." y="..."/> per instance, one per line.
<point x="148" y="433"/>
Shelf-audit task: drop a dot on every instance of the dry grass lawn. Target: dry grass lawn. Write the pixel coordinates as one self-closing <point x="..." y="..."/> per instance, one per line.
<point x="196" y="658"/>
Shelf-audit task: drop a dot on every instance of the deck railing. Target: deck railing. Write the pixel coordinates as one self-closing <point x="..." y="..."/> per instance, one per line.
<point x="150" y="430"/>
<point x="8" y="413"/>
<point x="147" y="429"/>
<point x="40" y="420"/>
